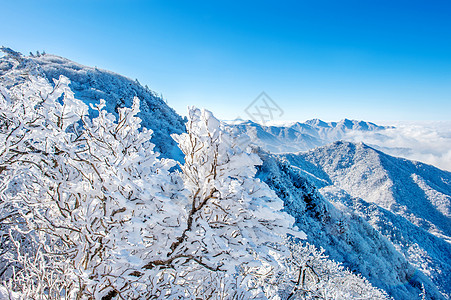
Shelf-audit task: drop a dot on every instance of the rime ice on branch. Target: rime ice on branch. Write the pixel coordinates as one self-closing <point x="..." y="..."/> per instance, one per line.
<point x="89" y="210"/>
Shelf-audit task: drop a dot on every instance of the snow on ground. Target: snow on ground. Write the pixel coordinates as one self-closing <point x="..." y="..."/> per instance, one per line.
<point x="384" y="217"/>
<point x="407" y="202"/>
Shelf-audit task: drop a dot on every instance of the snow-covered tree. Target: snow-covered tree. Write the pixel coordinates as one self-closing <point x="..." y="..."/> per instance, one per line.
<point x="233" y="223"/>
<point x="311" y="275"/>
<point x="30" y="256"/>
<point x="79" y="192"/>
<point x="89" y="211"/>
<point x="97" y="208"/>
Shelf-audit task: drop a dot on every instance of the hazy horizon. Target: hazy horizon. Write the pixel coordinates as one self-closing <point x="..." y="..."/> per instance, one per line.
<point x="327" y="60"/>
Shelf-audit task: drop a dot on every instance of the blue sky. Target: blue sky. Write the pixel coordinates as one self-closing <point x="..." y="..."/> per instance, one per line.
<point x="371" y="60"/>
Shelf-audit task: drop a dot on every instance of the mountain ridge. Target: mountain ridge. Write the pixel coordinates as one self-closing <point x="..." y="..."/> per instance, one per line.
<point x="92" y="84"/>
<point x="347" y="233"/>
<point x="407" y="202"/>
<point x="346" y="196"/>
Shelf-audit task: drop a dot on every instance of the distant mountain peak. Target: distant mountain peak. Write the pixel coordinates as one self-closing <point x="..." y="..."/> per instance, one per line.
<point x="317" y="123"/>
<point x="299" y="136"/>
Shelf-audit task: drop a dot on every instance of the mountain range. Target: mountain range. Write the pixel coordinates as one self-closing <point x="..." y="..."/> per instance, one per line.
<point x="300" y="136"/>
<point x="384" y="217"/>
<point x="406" y="202"/>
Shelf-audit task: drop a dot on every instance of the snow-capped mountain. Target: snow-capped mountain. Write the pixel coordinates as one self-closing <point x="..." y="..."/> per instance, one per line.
<point x="416" y="191"/>
<point x="406" y="202"/>
<point x="345" y="233"/>
<point x="92" y="84"/>
<point x="429" y="142"/>
<point x="383" y="217"/>
<point x="301" y="136"/>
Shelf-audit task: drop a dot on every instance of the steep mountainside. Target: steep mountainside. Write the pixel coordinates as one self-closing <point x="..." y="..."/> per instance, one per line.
<point x="407" y="202"/>
<point x="347" y="234"/>
<point x="383" y="217"/>
<point x="419" y="192"/>
<point x="92" y="84"/>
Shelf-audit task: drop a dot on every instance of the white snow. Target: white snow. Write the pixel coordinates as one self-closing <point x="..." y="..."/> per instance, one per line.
<point x="383" y="217"/>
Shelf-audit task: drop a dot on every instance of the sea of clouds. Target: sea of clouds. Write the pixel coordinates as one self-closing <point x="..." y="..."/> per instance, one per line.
<point x="428" y="142"/>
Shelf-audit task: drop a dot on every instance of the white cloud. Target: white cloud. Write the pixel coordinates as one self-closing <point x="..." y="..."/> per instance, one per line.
<point x="428" y="142"/>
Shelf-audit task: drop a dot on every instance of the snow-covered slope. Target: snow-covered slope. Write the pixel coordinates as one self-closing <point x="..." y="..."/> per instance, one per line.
<point x="428" y="142"/>
<point x="301" y="136"/>
<point x="418" y="192"/>
<point x="384" y="217"/>
<point x="92" y="84"/>
<point x="405" y="201"/>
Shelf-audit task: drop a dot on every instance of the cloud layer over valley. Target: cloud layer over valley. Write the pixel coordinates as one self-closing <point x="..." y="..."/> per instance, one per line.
<point x="428" y="142"/>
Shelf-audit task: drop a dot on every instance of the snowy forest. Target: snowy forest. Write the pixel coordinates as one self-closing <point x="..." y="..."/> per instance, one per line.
<point x="89" y="210"/>
<point x="107" y="193"/>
